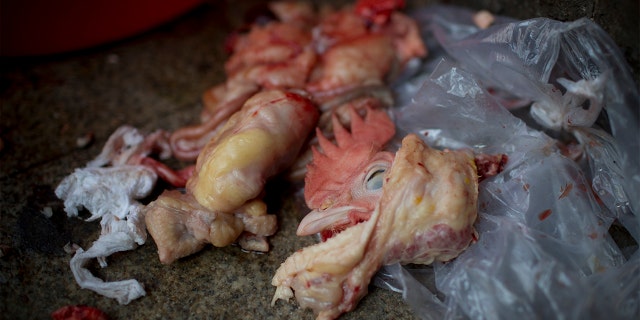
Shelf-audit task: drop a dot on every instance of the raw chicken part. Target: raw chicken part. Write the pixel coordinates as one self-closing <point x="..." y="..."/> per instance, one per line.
<point x="224" y="101"/>
<point x="425" y="212"/>
<point x="378" y="11"/>
<point x="258" y="142"/>
<point x="127" y="145"/>
<point x="79" y="312"/>
<point x="276" y="55"/>
<point x="180" y="226"/>
<point x="252" y="128"/>
<point x="353" y="194"/>
<point x="357" y="52"/>
<point x="357" y="106"/>
<point x="222" y="204"/>
<point x="360" y="50"/>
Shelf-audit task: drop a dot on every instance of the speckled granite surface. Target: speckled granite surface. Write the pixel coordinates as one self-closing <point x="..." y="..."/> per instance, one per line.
<point x="150" y="81"/>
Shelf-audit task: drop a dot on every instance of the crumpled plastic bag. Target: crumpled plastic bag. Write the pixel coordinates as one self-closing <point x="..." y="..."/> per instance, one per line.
<point x="544" y="248"/>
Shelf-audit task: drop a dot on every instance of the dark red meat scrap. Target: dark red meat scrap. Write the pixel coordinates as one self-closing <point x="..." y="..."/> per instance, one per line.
<point x="79" y="312"/>
<point x="490" y="164"/>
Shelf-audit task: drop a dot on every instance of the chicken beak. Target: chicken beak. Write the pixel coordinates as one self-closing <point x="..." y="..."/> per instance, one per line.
<point x="319" y="220"/>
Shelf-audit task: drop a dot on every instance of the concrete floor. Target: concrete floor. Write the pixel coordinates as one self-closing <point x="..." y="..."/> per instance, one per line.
<point x="150" y="81"/>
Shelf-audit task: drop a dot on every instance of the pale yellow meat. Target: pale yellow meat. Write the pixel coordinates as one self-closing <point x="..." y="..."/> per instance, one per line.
<point x="256" y="143"/>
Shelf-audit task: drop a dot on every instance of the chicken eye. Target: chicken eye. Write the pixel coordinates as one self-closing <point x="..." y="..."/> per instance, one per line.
<point x="374" y="179"/>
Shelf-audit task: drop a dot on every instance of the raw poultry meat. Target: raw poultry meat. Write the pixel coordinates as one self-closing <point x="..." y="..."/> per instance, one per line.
<point x="353" y="194"/>
<point x="128" y="146"/>
<point x="274" y="55"/>
<point x="416" y="206"/>
<point x="384" y="211"/>
<point x="424" y="212"/>
<point x="232" y="167"/>
<point x="222" y="196"/>
<point x="360" y="54"/>
<point x="361" y="49"/>
<point x="335" y="55"/>
<point x="255" y="144"/>
<point x="78" y="312"/>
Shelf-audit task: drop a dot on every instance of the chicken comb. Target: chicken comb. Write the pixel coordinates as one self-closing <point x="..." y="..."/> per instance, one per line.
<point x="333" y="165"/>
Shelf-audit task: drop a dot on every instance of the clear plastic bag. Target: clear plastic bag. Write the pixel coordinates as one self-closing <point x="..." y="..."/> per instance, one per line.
<point x="544" y="248"/>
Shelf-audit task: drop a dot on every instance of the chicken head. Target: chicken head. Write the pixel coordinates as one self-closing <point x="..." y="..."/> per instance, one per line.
<point x="425" y="211"/>
<point x="344" y="180"/>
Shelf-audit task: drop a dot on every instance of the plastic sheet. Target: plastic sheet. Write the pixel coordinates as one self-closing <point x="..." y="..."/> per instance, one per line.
<point x="544" y="248"/>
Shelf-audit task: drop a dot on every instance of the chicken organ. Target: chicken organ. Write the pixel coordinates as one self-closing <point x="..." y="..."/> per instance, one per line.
<point x="221" y="202"/>
<point x="426" y="209"/>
